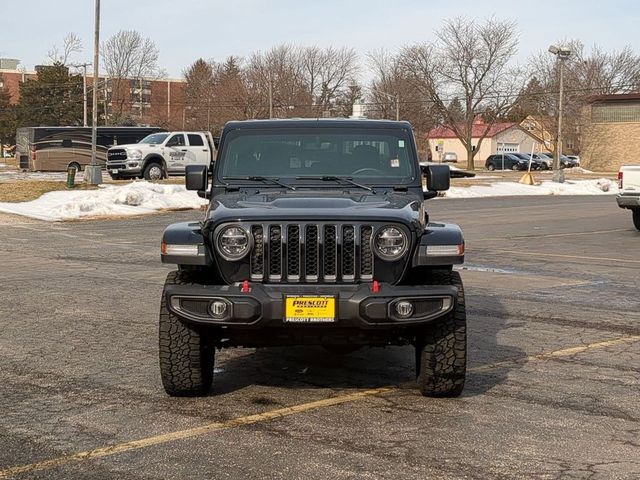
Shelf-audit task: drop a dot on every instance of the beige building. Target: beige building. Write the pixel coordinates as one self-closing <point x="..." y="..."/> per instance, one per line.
<point x="611" y="132"/>
<point x="501" y="137"/>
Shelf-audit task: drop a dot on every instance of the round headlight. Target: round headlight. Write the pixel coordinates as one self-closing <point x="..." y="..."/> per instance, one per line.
<point x="233" y="242"/>
<point x="390" y="243"/>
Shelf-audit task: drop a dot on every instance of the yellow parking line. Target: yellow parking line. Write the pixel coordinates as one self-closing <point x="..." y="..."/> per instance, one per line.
<point x="274" y="414"/>
<point x="536" y="254"/>
<point x="190" y="432"/>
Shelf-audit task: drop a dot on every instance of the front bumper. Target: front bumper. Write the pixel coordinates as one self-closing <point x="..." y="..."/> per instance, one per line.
<point x="628" y="201"/>
<point x="122" y="168"/>
<point x="357" y="306"/>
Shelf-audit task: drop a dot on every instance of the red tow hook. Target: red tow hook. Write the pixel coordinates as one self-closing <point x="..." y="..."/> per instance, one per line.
<point x="375" y="288"/>
<point x="245" y="287"/>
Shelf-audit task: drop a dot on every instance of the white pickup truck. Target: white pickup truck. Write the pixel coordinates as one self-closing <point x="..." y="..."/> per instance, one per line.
<point x="629" y="196"/>
<point x="160" y="154"/>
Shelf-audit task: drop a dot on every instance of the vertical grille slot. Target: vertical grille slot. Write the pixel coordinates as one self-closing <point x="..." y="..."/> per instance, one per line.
<point x="275" y="252"/>
<point x="303" y="252"/>
<point x="311" y="241"/>
<point x="257" y="255"/>
<point x="348" y="253"/>
<point x="293" y="253"/>
<point x="330" y="253"/>
<point x="366" y="255"/>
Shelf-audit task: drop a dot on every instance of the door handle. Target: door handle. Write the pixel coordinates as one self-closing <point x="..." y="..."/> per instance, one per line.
<point x="183" y="149"/>
<point x="205" y="150"/>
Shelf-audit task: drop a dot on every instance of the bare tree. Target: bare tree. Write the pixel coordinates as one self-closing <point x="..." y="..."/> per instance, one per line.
<point x="470" y="61"/>
<point x="128" y="58"/>
<point x="277" y="84"/>
<point x="329" y="73"/>
<point x="70" y="44"/>
<point x="390" y="85"/>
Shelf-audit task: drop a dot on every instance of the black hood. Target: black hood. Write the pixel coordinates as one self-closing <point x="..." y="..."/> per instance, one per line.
<point x="320" y="205"/>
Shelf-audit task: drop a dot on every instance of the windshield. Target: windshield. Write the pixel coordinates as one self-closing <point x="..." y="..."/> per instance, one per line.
<point x="379" y="155"/>
<point x="154" y="138"/>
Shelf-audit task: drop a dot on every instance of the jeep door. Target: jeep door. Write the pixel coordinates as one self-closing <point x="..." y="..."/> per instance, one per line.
<point x="175" y="153"/>
<point x="198" y="152"/>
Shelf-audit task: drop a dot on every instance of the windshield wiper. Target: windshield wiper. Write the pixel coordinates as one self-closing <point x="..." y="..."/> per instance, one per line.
<point x="333" y="178"/>
<point x="258" y="178"/>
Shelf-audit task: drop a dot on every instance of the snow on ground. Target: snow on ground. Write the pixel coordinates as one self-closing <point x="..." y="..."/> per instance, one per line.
<point x="110" y="200"/>
<point x="12" y="175"/>
<point x="142" y="197"/>
<point x="601" y="186"/>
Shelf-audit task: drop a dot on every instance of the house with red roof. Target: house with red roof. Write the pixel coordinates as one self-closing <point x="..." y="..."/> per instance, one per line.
<point x="507" y="137"/>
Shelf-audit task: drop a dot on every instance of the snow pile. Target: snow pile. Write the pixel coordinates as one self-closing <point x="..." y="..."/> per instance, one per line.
<point x="601" y="186"/>
<point x="110" y="200"/>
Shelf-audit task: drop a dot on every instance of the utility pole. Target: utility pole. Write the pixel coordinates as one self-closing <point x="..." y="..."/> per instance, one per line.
<point x="397" y="107"/>
<point x="84" y="90"/>
<point x="270" y="96"/>
<point x="84" y="94"/>
<point x="94" y="171"/>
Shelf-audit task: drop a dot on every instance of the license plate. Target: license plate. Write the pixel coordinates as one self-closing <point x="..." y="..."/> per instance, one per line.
<point x="115" y="170"/>
<point x="309" y="309"/>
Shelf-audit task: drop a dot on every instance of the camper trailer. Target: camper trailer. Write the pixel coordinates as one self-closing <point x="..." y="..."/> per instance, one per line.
<point x="54" y="149"/>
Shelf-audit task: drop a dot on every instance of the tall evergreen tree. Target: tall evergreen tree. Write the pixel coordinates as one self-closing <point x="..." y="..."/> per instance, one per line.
<point x="53" y="99"/>
<point x="7" y="120"/>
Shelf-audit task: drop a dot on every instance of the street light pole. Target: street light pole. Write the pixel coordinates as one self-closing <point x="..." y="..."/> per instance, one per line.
<point x="562" y="54"/>
<point x="558" y="174"/>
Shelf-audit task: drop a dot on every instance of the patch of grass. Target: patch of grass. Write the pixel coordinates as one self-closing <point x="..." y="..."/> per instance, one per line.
<point x="27" y="190"/>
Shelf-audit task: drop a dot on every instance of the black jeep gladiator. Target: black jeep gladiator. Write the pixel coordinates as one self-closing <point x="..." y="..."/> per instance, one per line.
<point x="316" y="234"/>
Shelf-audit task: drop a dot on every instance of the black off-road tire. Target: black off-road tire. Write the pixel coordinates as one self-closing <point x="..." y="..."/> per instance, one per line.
<point x="186" y="354"/>
<point x="636" y="218"/>
<point x="441" y="350"/>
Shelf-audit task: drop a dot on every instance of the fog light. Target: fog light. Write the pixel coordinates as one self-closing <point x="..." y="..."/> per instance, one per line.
<point x="404" y="309"/>
<point x="218" y="309"/>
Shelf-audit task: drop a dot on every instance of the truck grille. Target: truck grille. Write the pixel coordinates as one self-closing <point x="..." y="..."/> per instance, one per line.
<point x="116" y="154"/>
<point x="311" y="253"/>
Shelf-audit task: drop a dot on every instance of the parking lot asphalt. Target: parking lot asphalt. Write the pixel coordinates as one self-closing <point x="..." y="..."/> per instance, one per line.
<point x="552" y="390"/>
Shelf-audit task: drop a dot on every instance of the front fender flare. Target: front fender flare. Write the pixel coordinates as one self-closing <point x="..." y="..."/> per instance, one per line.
<point x="439" y="234"/>
<point x="185" y="233"/>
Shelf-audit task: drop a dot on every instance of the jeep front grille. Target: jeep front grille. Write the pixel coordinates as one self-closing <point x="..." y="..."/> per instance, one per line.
<point x="311" y="253"/>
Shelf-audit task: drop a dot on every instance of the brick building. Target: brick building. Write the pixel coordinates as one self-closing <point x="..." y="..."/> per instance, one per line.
<point x="611" y="132"/>
<point x="156" y="102"/>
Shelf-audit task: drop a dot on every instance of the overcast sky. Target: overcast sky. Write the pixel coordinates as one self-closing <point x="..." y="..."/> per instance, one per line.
<point x="188" y="29"/>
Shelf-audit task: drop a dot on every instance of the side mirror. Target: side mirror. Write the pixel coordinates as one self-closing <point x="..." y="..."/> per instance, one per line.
<point x="438" y="178"/>
<point x="196" y="177"/>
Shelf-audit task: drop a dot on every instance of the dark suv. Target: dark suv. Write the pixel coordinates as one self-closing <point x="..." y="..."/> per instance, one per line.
<point x="316" y="234"/>
<point x="505" y="161"/>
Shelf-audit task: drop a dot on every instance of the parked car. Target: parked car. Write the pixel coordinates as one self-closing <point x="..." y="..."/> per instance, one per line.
<point x="450" y="157"/>
<point x="568" y="162"/>
<point x="545" y="159"/>
<point x="575" y="158"/>
<point x="535" y="164"/>
<point x="629" y="196"/>
<point x="505" y="161"/>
